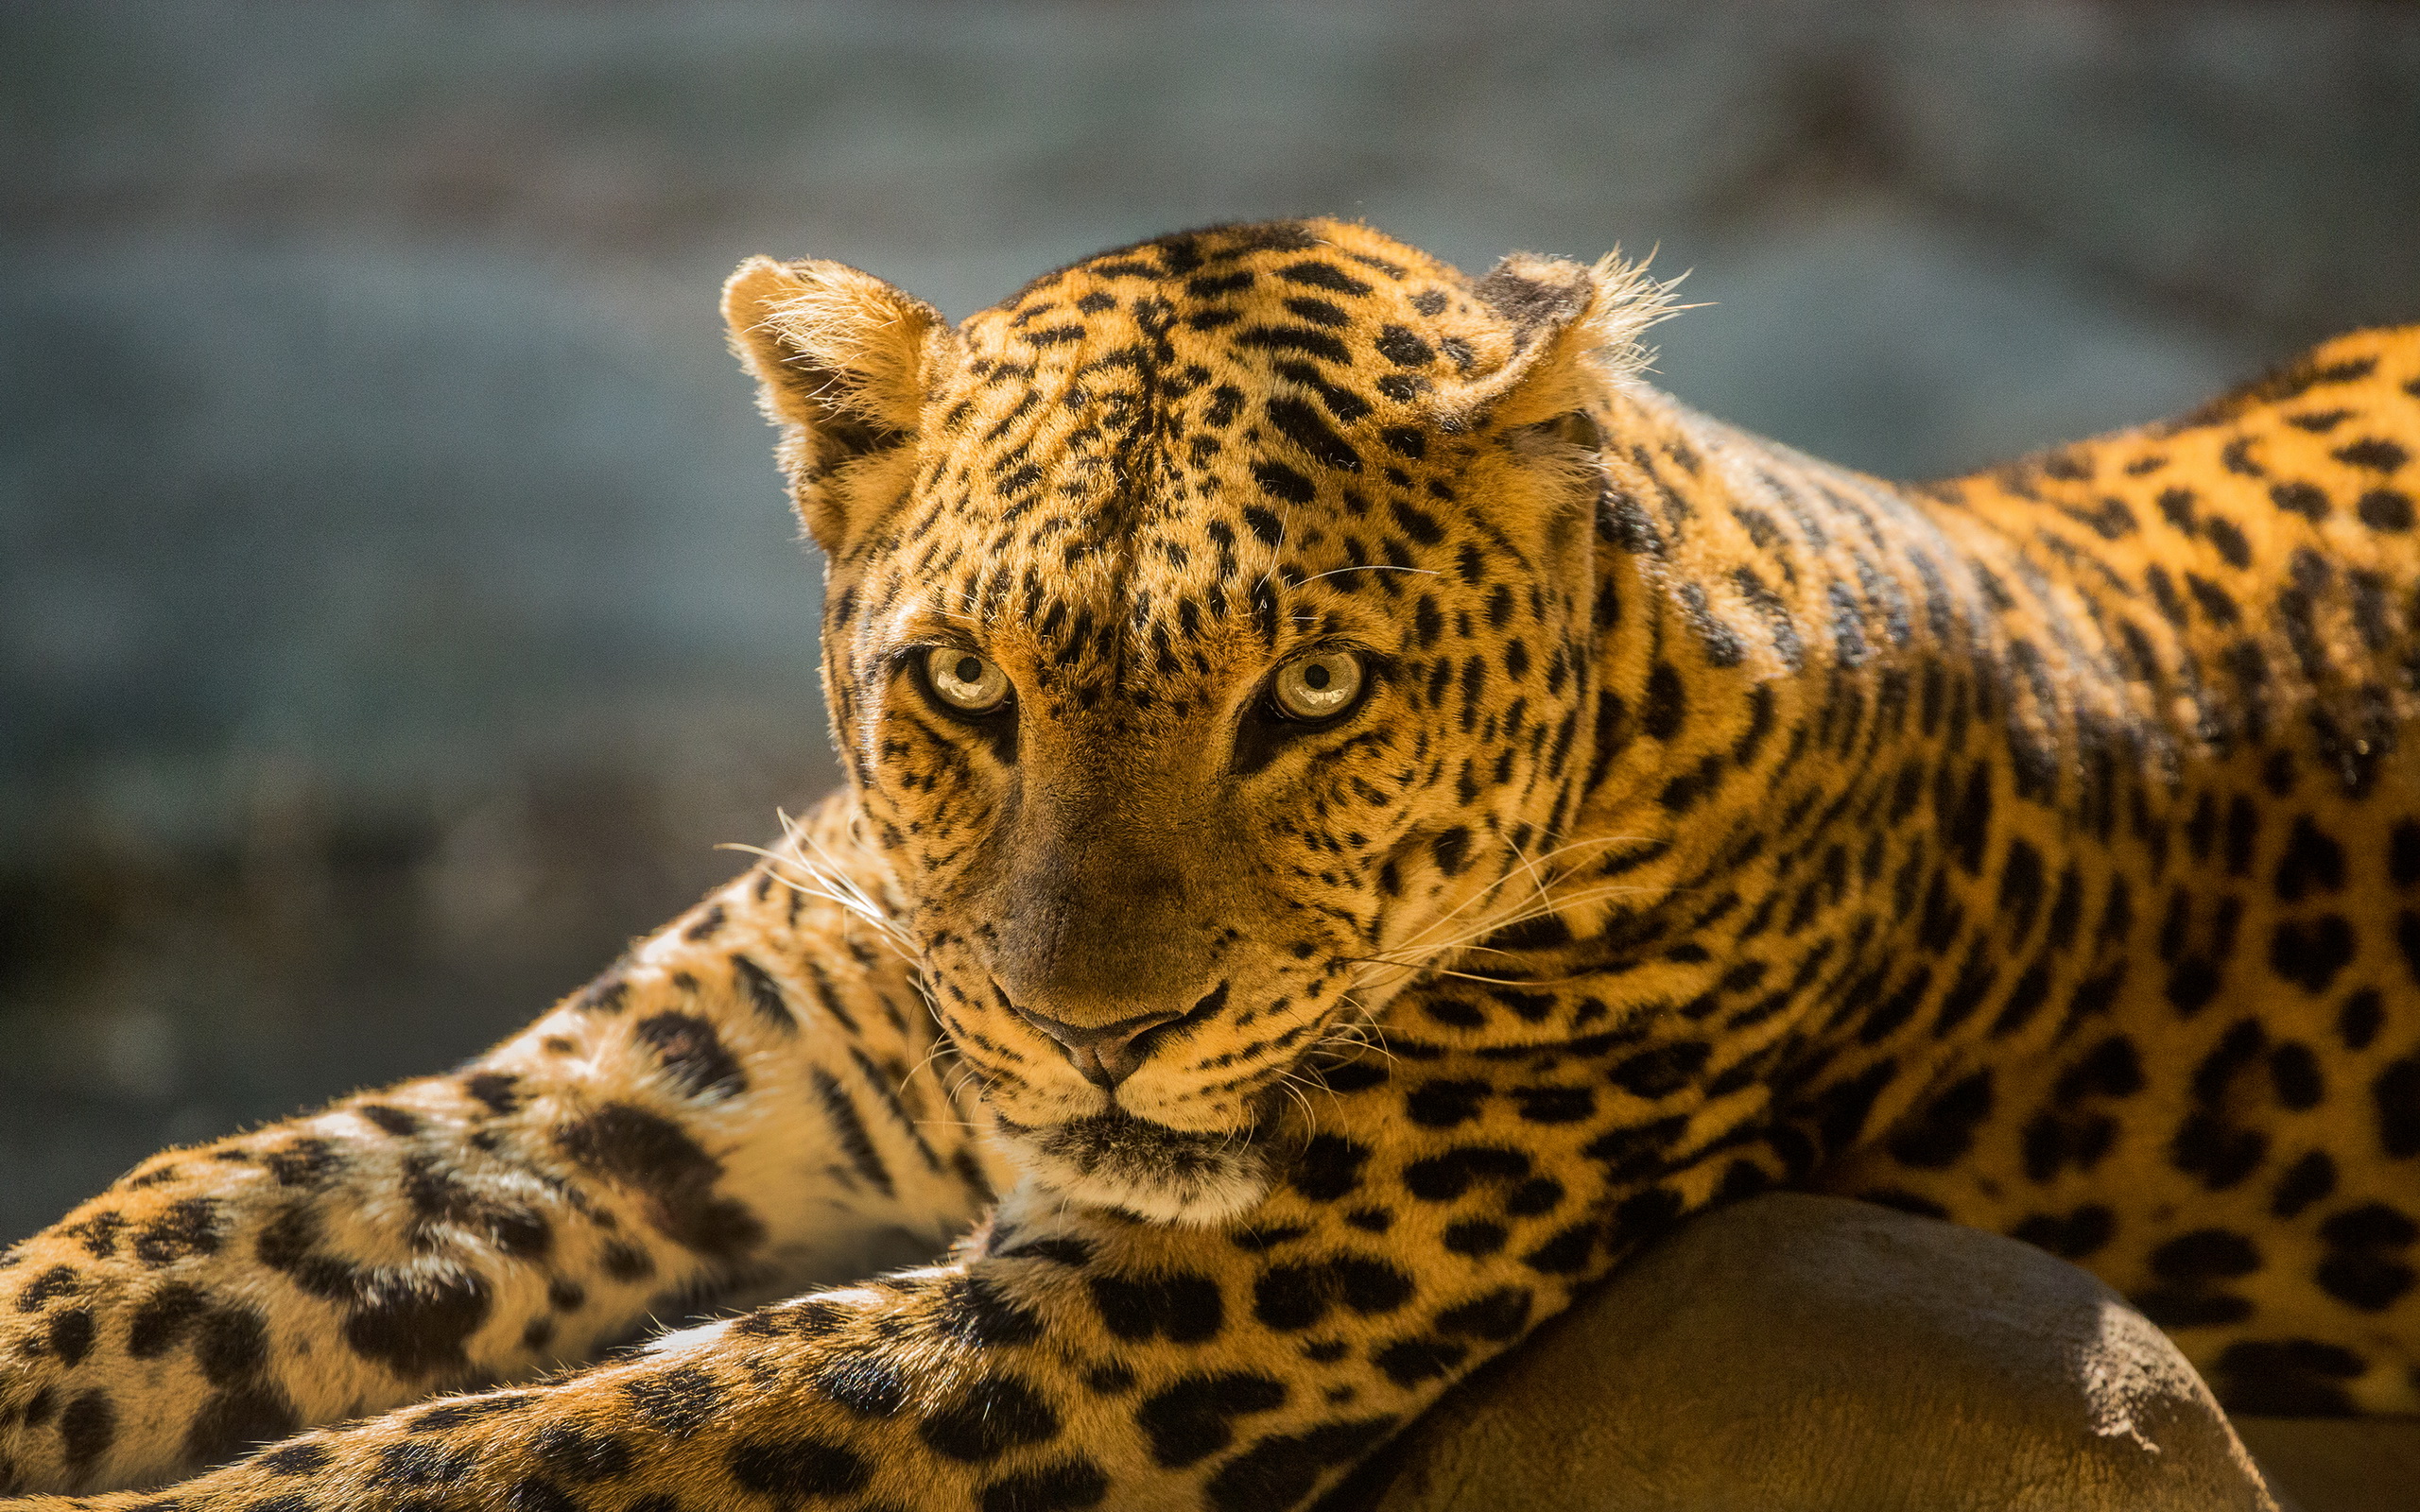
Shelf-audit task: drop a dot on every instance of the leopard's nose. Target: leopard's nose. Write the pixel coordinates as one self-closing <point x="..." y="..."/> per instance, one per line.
<point x="1107" y="1054"/>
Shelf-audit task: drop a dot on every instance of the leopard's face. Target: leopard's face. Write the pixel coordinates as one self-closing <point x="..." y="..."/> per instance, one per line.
<point x="1206" y="648"/>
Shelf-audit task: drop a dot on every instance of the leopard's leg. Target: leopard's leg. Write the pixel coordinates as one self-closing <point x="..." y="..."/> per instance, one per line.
<point x="736" y="1106"/>
<point x="1070" y="1358"/>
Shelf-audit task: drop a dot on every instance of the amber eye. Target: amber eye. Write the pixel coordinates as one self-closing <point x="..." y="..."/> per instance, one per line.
<point x="1318" y="686"/>
<point x="970" y="683"/>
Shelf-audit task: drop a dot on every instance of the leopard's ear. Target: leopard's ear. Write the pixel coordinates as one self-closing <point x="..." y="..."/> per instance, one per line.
<point x="1572" y="328"/>
<point x="842" y="360"/>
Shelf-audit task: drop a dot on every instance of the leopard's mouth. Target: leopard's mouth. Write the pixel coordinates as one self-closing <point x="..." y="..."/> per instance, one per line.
<point x="1116" y="1159"/>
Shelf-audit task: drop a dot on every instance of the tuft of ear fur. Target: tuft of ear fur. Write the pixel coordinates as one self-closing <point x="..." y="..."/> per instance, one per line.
<point x="1573" y="327"/>
<point x="842" y="360"/>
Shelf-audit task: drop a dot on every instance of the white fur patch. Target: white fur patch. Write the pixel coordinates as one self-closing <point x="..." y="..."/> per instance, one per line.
<point x="1143" y="1169"/>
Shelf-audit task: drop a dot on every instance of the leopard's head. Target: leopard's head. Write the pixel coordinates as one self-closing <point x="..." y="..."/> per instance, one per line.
<point x="1207" y="637"/>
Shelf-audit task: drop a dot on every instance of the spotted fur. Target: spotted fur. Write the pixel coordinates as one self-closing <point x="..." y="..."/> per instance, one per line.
<point x="2040" y="850"/>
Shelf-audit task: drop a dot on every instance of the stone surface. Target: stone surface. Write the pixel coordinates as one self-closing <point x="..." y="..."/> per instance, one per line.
<point x="1795" y="1353"/>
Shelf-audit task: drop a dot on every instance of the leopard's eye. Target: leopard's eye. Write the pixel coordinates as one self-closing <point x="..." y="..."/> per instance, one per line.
<point x="1319" y="686"/>
<point x="970" y="683"/>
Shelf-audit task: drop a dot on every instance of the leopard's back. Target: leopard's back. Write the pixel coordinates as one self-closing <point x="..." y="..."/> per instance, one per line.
<point x="2224" y="1119"/>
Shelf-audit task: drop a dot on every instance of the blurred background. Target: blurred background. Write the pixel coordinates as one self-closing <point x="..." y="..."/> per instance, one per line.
<point x="397" y="604"/>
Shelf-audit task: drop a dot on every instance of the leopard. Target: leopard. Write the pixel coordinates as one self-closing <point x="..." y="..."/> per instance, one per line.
<point x="1359" y="814"/>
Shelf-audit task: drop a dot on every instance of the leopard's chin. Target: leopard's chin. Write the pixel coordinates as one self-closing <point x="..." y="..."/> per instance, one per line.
<point x="1114" y="1160"/>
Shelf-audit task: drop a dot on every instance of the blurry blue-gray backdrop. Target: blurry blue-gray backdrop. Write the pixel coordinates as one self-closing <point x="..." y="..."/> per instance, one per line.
<point x="396" y="600"/>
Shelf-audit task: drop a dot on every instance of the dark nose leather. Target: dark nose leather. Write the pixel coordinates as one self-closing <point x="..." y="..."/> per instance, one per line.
<point x="1107" y="1054"/>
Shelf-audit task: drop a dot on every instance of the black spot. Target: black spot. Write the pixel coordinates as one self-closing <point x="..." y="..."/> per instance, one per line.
<point x="606" y="994"/>
<point x="2229" y="538"/>
<point x="1842" y="1108"/>
<point x="1418" y="523"/>
<point x="2359" y="1272"/>
<point x="392" y="1120"/>
<point x="1452" y="849"/>
<point x="2206" y="1254"/>
<point x="1404" y="349"/>
<point x="2022" y="883"/>
<point x="1639" y="1151"/>
<point x="233" y="1347"/>
<point x="295" y="1459"/>
<point x="2294" y="1071"/>
<point x="1282" y="482"/>
<point x="656" y="1158"/>
<point x="1564" y="1253"/>
<point x="86" y="1430"/>
<point x="2403" y="854"/>
<point x="1667" y="703"/>
<point x="2287" y="1378"/>
<point x="1271" y="529"/>
<point x="1281" y="1470"/>
<point x="2371" y="1224"/>
<point x="1000" y="1412"/>
<point x="1498" y="1315"/>
<point x="2310" y="1180"/>
<point x="849" y="1126"/>
<point x="535" y="1493"/>
<point x="70" y="1336"/>
<point x="1444" y="1104"/>
<point x="865" y="1385"/>
<point x="2311" y="860"/>
<point x="1328" y="1168"/>
<point x="1062" y="1485"/>
<point x="2306" y="499"/>
<point x="1662" y="1070"/>
<point x="188" y="1227"/>
<point x="796" y="1466"/>
<point x="416" y="1327"/>
<point x="2112" y="1068"/>
<point x="495" y="1089"/>
<point x="1555" y="1105"/>
<point x="677" y="1401"/>
<point x="1291" y="1297"/>
<point x="2310" y="954"/>
<point x="1368" y="1286"/>
<point x="1323" y="276"/>
<point x="692" y="1055"/>
<point x="1193" y="1419"/>
<point x="420" y="1464"/>
<point x="1183" y="1307"/>
<point x="2396" y="1094"/>
<point x="2219" y="1153"/>
<point x="1537" y="1196"/>
<point x="1640" y="1218"/>
<point x="2385" y="509"/>
<point x="2375" y="453"/>
<point x="1945" y="1130"/>
<point x="1301" y="338"/>
<point x="973" y="1310"/>
<point x="2073" y="1237"/>
<point x="1445" y="1178"/>
<point x="235" y="1418"/>
<point x="1410" y="1362"/>
<point x="1301" y="424"/>
<point x="764" y="993"/>
<point x="2190" y="1307"/>
<point x="1476" y="1238"/>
